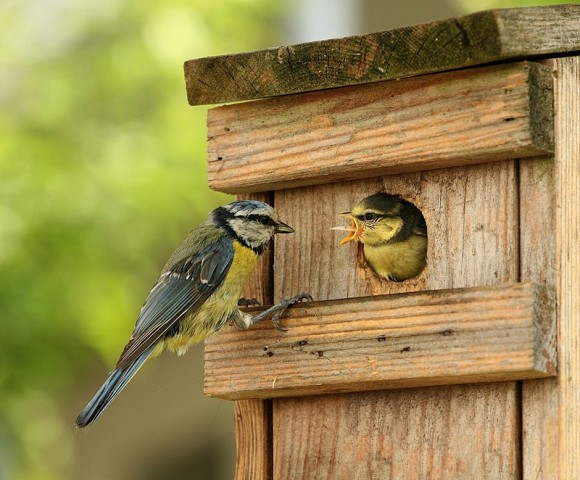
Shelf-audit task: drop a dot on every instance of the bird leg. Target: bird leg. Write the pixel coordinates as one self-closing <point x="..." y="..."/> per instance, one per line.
<point x="275" y="312"/>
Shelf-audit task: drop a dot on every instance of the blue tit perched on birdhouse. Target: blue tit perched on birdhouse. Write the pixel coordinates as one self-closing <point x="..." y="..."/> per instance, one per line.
<point x="197" y="292"/>
<point x="393" y="233"/>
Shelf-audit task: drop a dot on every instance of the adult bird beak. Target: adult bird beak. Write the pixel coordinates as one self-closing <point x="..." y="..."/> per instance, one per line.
<point x="281" y="227"/>
<point x="355" y="230"/>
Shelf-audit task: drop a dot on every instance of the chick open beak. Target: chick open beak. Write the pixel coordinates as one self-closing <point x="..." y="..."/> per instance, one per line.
<point x="355" y="230"/>
<point x="281" y="227"/>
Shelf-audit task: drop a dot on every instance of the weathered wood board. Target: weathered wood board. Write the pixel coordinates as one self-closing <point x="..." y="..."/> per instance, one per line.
<point x="476" y="39"/>
<point x="253" y="418"/>
<point x="551" y="253"/>
<point x="408" y="340"/>
<point x="538" y="254"/>
<point x="567" y="174"/>
<point x="438" y="433"/>
<point x="435" y="121"/>
<point x="472" y="220"/>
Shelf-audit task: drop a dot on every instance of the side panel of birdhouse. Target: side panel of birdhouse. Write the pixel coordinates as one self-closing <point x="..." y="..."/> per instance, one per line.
<point x="550" y="212"/>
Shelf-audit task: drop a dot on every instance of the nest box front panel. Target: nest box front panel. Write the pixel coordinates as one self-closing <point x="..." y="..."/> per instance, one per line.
<point x="472" y="224"/>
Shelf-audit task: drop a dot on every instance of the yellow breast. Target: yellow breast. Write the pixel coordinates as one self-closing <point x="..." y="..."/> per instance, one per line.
<point x="399" y="260"/>
<point x="215" y="312"/>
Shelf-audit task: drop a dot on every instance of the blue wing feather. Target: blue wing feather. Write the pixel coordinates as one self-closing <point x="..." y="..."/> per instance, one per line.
<point x="115" y="382"/>
<point x="177" y="292"/>
<point x="182" y="288"/>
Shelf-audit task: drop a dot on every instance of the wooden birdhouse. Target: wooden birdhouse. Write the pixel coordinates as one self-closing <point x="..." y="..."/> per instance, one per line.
<point x="470" y="370"/>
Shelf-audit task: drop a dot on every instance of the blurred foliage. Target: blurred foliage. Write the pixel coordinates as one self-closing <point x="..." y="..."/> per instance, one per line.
<point x="103" y="172"/>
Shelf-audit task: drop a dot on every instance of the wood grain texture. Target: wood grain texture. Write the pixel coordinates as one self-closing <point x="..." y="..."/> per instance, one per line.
<point x="253" y="440"/>
<point x="475" y="39"/>
<point x="253" y="418"/>
<point x="551" y="253"/>
<point x="538" y="254"/>
<point x="472" y="220"/>
<point x="567" y="174"/>
<point x="393" y="341"/>
<point x="457" y="118"/>
<point x="438" y="433"/>
<point x="260" y="284"/>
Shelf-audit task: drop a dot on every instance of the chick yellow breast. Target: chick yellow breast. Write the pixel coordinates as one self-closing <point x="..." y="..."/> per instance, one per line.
<point x="218" y="308"/>
<point x="399" y="260"/>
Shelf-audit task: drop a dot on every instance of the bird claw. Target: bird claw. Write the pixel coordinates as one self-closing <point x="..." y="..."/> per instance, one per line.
<point x="275" y="311"/>
<point x="298" y="298"/>
<point x="284" y="304"/>
<point x="276" y="322"/>
<point x="248" y="302"/>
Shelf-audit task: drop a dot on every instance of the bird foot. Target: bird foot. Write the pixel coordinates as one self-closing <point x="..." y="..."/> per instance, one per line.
<point x="248" y="302"/>
<point x="276" y="311"/>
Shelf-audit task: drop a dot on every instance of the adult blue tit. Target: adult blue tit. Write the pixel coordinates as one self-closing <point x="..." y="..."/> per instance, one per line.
<point x="393" y="233"/>
<point x="197" y="292"/>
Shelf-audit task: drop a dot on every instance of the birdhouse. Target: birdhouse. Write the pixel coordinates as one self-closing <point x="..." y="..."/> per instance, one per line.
<point x="469" y="370"/>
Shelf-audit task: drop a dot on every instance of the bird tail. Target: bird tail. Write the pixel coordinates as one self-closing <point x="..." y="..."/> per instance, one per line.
<point x="115" y="382"/>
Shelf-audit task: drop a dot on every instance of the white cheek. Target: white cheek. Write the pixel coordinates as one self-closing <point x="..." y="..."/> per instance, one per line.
<point x="254" y="233"/>
<point x="261" y="235"/>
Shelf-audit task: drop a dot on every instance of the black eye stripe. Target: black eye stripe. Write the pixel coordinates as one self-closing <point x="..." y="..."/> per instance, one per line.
<point x="263" y="219"/>
<point x="377" y="216"/>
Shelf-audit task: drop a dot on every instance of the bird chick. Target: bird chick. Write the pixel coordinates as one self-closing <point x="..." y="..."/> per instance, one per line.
<point x="197" y="292"/>
<point x="393" y="233"/>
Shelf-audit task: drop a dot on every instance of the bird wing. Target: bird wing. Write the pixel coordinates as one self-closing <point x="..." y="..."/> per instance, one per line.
<point x="420" y="227"/>
<point x="185" y="286"/>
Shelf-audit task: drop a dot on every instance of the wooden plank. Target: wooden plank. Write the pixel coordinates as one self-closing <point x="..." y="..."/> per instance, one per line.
<point x="551" y="198"/>
<point x="420" y="339"/>
<point x="567" y="173"/>
<point x="472" y="220"/>
<point x="475" y="39"/>
<point x="451" y="119"/>
<point x="538" y="254"/>
<point x="253" y="418"/>
<point x="260" y="284"/>
<point x="439" y="433"/>
<point x="253" y="439"/>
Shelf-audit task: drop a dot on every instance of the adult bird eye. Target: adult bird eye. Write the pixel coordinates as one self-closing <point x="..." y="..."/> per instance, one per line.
<point x="370" y="216"/>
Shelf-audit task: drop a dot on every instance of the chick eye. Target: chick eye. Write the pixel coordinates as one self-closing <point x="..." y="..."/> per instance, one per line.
<point x="265" y="220"/>
<point x="370" y="216"/>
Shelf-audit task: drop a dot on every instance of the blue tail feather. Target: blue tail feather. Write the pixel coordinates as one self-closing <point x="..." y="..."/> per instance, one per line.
<point x="115" y="382"/>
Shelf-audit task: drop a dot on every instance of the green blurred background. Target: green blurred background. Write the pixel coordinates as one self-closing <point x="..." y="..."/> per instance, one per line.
<point x="103" y="172"/>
